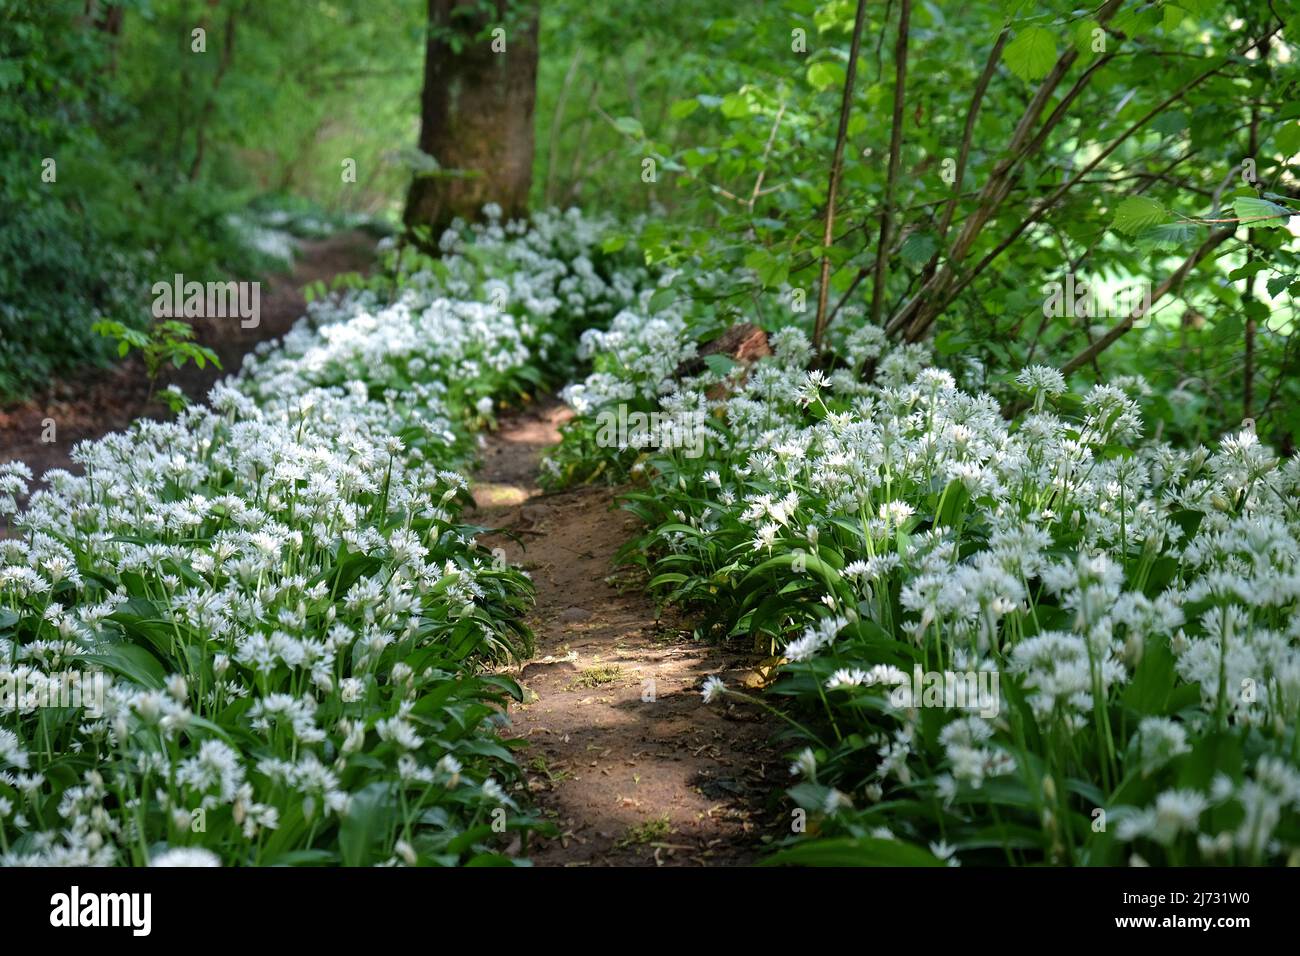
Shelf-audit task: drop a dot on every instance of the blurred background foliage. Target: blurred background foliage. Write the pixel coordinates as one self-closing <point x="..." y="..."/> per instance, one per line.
<point x="708" y="127"/>
<point x="739" y="109"/>
<point x="168" y="160"/>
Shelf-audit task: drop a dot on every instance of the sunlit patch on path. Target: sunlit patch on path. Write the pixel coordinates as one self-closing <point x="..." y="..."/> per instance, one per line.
<point x="622" y="755"/>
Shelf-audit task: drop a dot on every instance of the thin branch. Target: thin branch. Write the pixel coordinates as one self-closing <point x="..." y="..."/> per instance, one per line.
<point x="968" y="133"/>
<point x="553" y="148"/>
<point x="837" y="161"/>
<point x="762" y="166"/>
<point x="895" y="147"/>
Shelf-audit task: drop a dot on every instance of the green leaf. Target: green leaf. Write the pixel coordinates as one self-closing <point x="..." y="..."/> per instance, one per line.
<point x="1287" y="139"/>
<point x="662" y="299"/>
<point x="1031" y="53"/>
<point x="735" y="105"/>
<point x="1085" y="35"/>
<point x="370" y="817"/>
<point x="864" y="851"/>
<point x="1248" y="270"/>
<point x="720" y="364"/>
<point x="1260" y="213"/>
<point x="1170" y="123"/>
<point x="949" y="342"/>
<point x="699" y="157"/>
<point x="683" y="108"/>
<point x="131" y="661"/>
<point x="918" y="248"/>
<point x="772" y="269"/>
<point x="1168" y="236"/>
<point x="1153" y="680"/>
<point x="1277" y="284"/>
<point x="629" y="126"/>
<point x="825" y="74"/>
<point x="1137" y="213"/>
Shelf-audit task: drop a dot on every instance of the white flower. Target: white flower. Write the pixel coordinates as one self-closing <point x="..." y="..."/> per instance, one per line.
<point x="805" y="764"/>
<point x="714" y="688"/>
<point x="186" y="856"/>
<point x="1042" y="378"/>
<point x="945" y="852"/>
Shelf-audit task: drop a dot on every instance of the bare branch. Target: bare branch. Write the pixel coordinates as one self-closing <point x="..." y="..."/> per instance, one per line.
<point x="837" y="162"/>
<point x="895" y="147"/>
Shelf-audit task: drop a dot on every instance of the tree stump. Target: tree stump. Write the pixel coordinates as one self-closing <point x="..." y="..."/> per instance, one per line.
<point x="744" y="343"/>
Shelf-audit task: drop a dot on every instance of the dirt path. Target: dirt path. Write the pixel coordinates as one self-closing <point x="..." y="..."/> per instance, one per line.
<point x="95" y="402"/>
<point x="622" y="753"/>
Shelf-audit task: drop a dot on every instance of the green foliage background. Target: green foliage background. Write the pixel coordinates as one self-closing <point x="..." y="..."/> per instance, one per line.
<point x="737" y="107"/>
<point x="699" y="88"/>
<point x="121" y="116"/>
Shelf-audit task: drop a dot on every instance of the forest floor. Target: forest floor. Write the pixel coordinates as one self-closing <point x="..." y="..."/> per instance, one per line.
<point x="622" y="755"/>
<point x="90" y="404"/>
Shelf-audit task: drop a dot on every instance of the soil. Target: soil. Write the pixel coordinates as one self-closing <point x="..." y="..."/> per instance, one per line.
<point x="98" y="401"/>
<point x="621" y="752"/>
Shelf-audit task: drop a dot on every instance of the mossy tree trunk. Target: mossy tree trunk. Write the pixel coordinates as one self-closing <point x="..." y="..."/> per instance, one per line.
<point x="480" y="85"/>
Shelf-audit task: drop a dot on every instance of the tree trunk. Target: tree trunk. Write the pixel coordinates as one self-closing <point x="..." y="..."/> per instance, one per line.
<point x="476" y="112"/>
<point x="107" y="21"/>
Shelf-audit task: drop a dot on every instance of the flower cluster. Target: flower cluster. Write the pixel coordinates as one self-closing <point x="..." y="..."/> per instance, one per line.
<point x="1129" y="607"/>
<point x="278" y="626"/>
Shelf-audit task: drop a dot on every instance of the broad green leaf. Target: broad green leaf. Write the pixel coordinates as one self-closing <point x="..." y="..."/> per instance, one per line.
<point x="1169" y="236"/>
<point x="772" y="269"/>
<point x="1260" y="213"/>
<point x="131" y="661"/>
<point x="735" y="105"/>
<point x="1248" y="270"/>
<point x="1148" y="692"/>
<point x="1170" y="123"/>
<point x="662" y="299"/>
<point x="1277" y="284"/>
<point x="1287" y="139"/>
<point x="683" y="108"/>
<point x="1087" y="39"/>
<point x="1031" y="53"/>
<point x="720" y="364"/>
<point x="370" y="817"/>
<point x="1137" y="213"/>
<point x="826" y="74"/>
<point x="629" y="126"/>
<point x="918" y="248"/>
